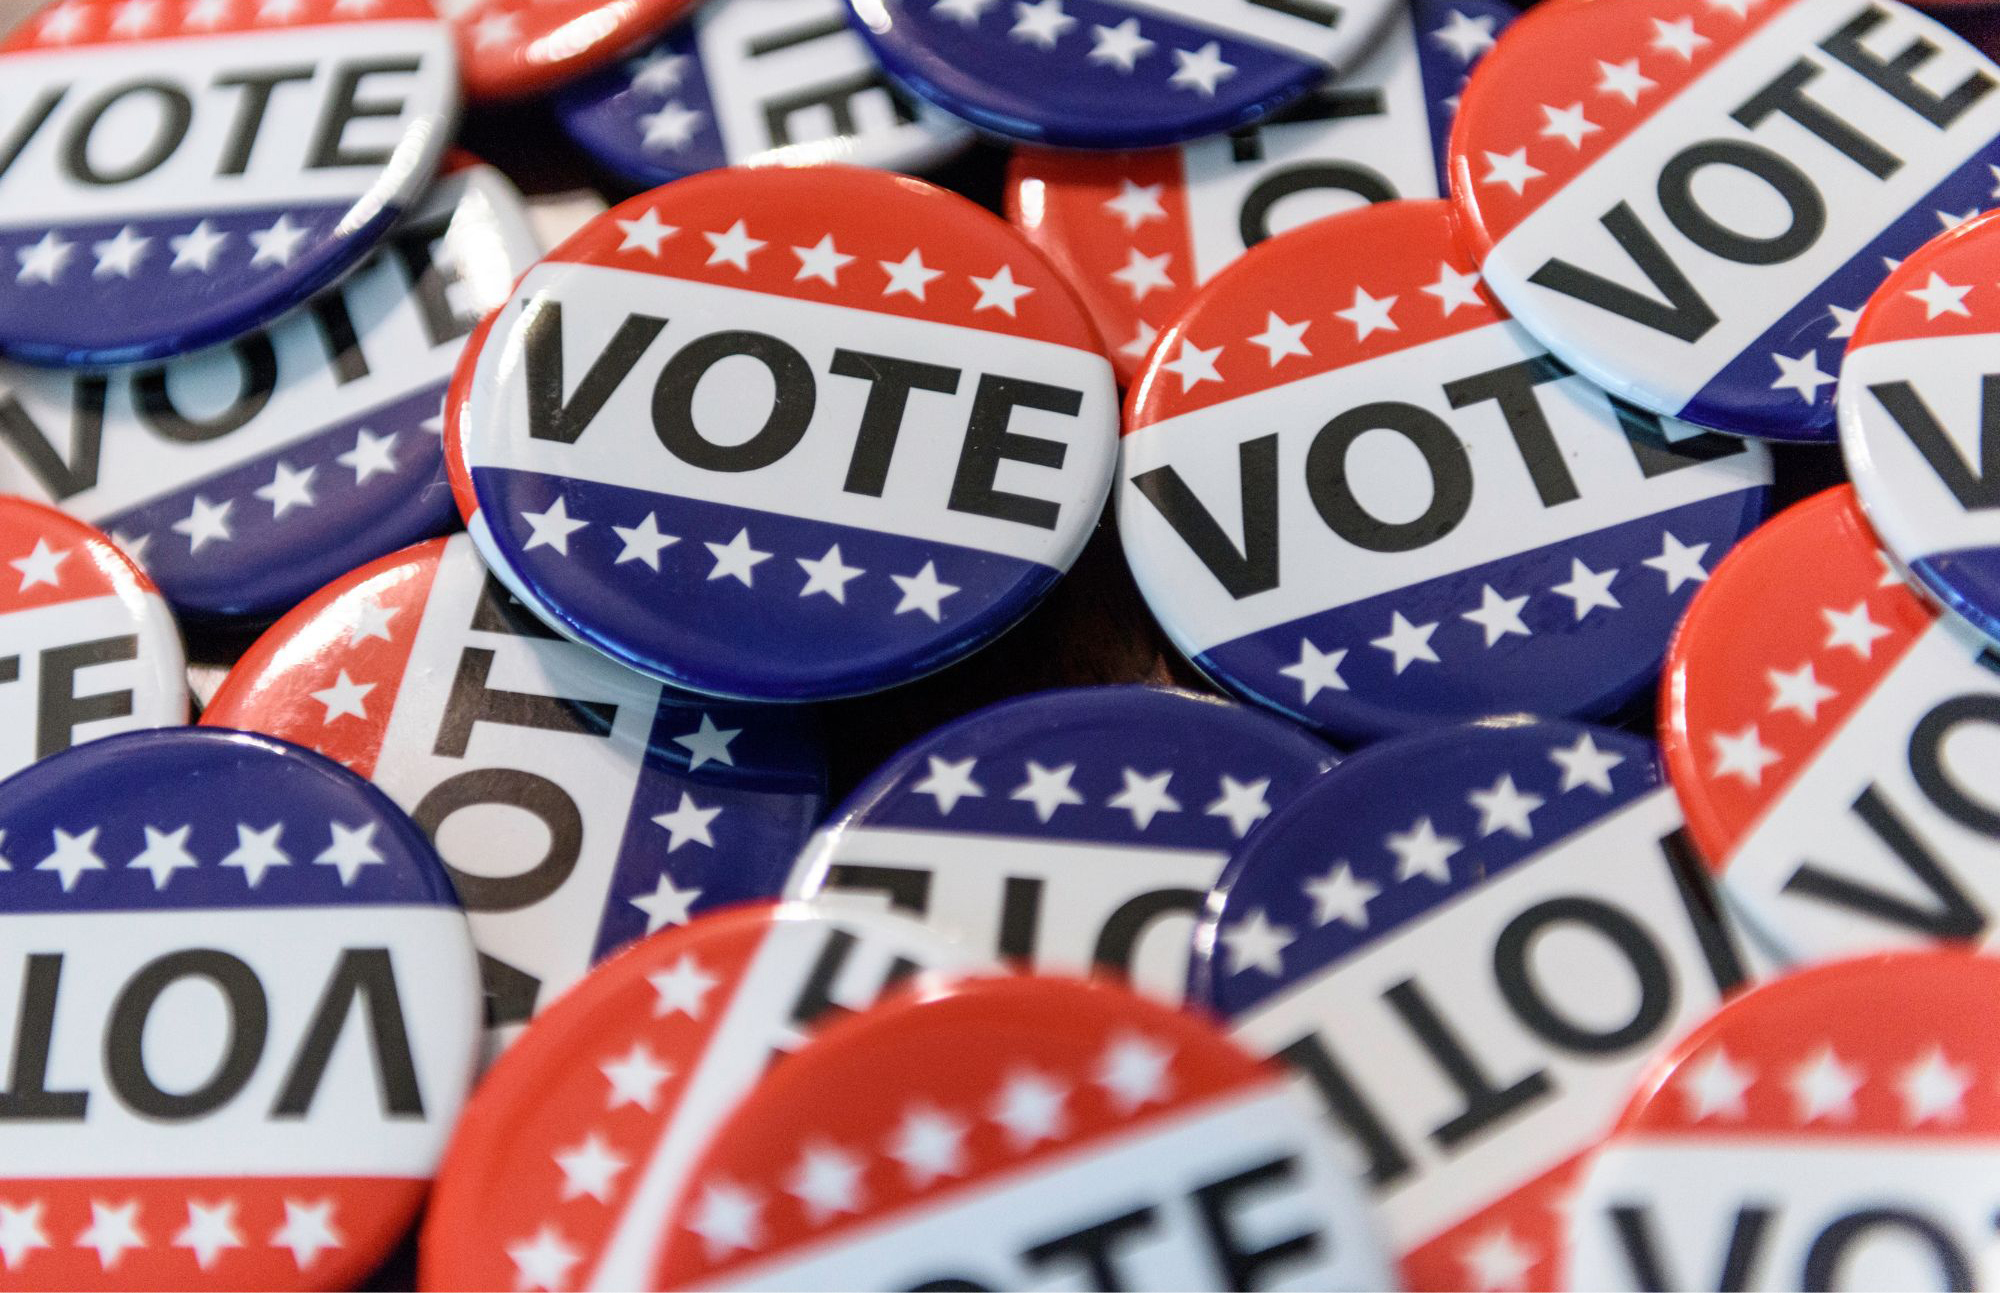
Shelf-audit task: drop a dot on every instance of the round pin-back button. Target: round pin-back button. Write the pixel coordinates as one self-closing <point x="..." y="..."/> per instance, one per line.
<point x="1835" y="742"/>
<point x="508" y="49"/>
<point x="1467" y="943"/>
<point x="1835" y="1128"/>
<point x="1069" y="831"/>
<point x="249" y="475"/>
<point x="90" y="646"/>
<point x="173" y="176"/>
<point x="1137" y="233"/>
<point x="756" y="83"/>
<point x="579" y="1138"/>
<point x="248" y="1017"/>
<point x="421" y="673"/>
<point x="852" y="426"/>
<point x="1913" y="410"/>
<point x="1400" y="509"/>
<point x="1116" y="73"/>
<point x="1004" y="1133"/>
<point x="1688" y="202"/>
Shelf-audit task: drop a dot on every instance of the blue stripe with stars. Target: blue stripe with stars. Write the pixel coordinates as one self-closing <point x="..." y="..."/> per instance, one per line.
<point x="650" y="119"/>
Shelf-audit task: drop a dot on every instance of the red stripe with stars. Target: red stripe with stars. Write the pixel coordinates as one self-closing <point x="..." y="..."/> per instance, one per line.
<point x="47" y="558"/>
<point x="84" y="24"/>
<point x="1963" y="301"/>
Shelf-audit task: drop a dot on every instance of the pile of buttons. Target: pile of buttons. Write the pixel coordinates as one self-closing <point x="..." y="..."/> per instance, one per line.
<point x="991" y="644"/>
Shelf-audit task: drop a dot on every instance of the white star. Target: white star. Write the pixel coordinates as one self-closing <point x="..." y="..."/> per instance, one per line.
<point x="1145" y="797"/>
<point x="924" y="592"/>
<point x="635" y="1078"/>
<point x="1143" y="274"/>
<point x="135" y="17"/>
<point x="646" y="233"/>
<point x="643" y="541"/>
<point x="822" y="261"/>
<point x="1852" y="629"/>
<point x="1030" y="1108"/>
<point x="370" y="455"/>
<point x="209" y="1230"/>
<point x="1583" y="764"/>
<point x="496" y="31"/>
<point x="1047" y="789"/>
<point x="44" y="261"/>
<point x="708" y="743"/>
<point x="279" y="11"/>
<point x="948" y="783"/>
<point x="119" y="254"/>
<point x="1121" y="47"/>
<point x="1280" y="339"/>
<point x="1743" y="755"/>
<point x="1138" y="203"/>
<point x="20" y="1232"/>
<point x="999" y="292"/>
<point x="256" y="852"/>
<point x="1255" y="942"/>
<point x="672" y="126"/>
<point x="135" y="546"/>
<point x="543" y="1262"/>
<point x="1953" y="219"/>
<point x="659" y="72"/>
<point x="1369" y="314"/>
<point x="206" y="521"/>
<point x="1933" y="1089"/>
<point x="344" y="698"/>
<point x="1511" y="169"/>
<point x="1341" y="895"/>
<point x="165" y="853"/>
<point x="1243" y="803"/>
<point x="72" y="856"/>
<point x="1408" y="642"/>
<point x="688" y="821"/>
<point x="736" y="559"/>
<point x="681" y="989"/>
<point x="828" y="575"/>
<point x="1735" y="8"/>
<point x="1467" y="36"/>
<point x="1587" y="588"/>
<point x="1141" y="342"/>
<point x="1497" y="1262"/>
<point x="1677" y="38"/>
<point x="966" y="13"/>
<point x="1421" y="851"/>
<point x="1503" y="807"/>
<point x="909" y="275"/>
<point x="111" y="1232"/>
<point x="1041" y="23"/>
<point x="1801" y="374"/>
<point x="1567" y="124"/>
<point x="40" y="565"/>
<point x="665" y="905"/>
<point x="1624" y="80"/>
<point x="371" y="620"/>
<point x="1201" y="70"/>
<point x="63" y="23"/>
<point x="1679" y="562"/>
<point x="589" y="1168"/>
<point x="1316" y="671"/>
<point x="827" y="1180"/>
<point x="1133" y="1072"/>
<point x="277" y="244"/>
<point x="1937" y="296"/>
<point x="308" y="1231"/>
<point x="1714" y="1087"/>
<point x="1498" y="615"/>
<point x="929" y="1144"/>
<point x="1843" y="322"/>
<point x="1799" y="691"/>
<point x="288" y="489"/>
<point x="1891" y="577"/>
<point x="352" y="849"/>
<point x="1453" y="289"/>
<point x="733" y="247"/>
<point x="1824" y="1088"/>
<point x="1194" y="366"/>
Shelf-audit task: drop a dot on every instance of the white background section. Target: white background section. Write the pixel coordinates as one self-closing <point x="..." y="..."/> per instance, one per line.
<point x="1907" y="502"/>
<point x="155" y="678"/>
<point x="1299" y="36"/>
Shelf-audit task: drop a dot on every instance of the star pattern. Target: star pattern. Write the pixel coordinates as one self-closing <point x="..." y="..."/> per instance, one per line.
<point x="177" y="1224"/>
<point x="1124" y="50"/>
<point x="1139" y="794"/>
<point x="1831" y="1085"/>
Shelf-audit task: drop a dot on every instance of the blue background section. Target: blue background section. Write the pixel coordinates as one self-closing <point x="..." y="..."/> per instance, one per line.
<point x="1443" y="75"/>
<point x="601" y="113"/>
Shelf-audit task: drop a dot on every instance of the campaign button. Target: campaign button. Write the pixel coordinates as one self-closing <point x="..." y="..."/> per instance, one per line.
<point x="1688" y="200"/>
<point x="1069" y="831"/>
<point x="90" y="648"/>
<point x="577" y="1142"/>
<point x="1466" y="944"/>
<point x="851" y="426"/>
<point x="243" y="1017"/>
<point x="753" y="83"/>
<point x="1920" y="419"/>
<point x="172" y="176"/>
<point x="1835" y="743"/>
<point x="1021" y="1133"/>
<point x="1351" y="489"/>
<point x="1137" y="233"/>
<point x="1835" y="1128"/>
<point x="249" y="475"/>
<point x="641" y="808"/>
<point x="508" y="49"/>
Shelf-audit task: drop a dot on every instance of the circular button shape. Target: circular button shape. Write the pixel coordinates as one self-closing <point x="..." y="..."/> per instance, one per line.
<point x="1401" y="510"/>
<point x="1009" y="1132"/>
<point x="641" y="808"/>
<point x="1912" y="417"/>
<point x="1835" y="1128"/>
<point x="511" y="48"/>
<point x="1499" y="900"/>
<point x="249" y="475"/>
<point x="1137" y="233"/>
<point x="1688" y="202"/>
<point x="757" y="83"/>
<point x="248" y="1016"/>
<point x="850" y="425"/>
<point x="178" y="175"/>
<point x="1071" y="830"/>
<point x="1835" y="743"/>
<point x="579" y="1138"/>
<point x="91" y="648"/>
<point x="1115" y="73"/>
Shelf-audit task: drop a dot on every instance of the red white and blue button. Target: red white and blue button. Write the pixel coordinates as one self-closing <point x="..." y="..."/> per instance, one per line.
<point x="850" y="426"/>
<point x="1070" y="831"/>
<point x="1116" y="73"/>
<point x="1351" y="489"/>
<point x="247" y="1017"/>
<point x="1688" y="201"/>
<point x="177" y="172"/>
<point x="511" y="49"/>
